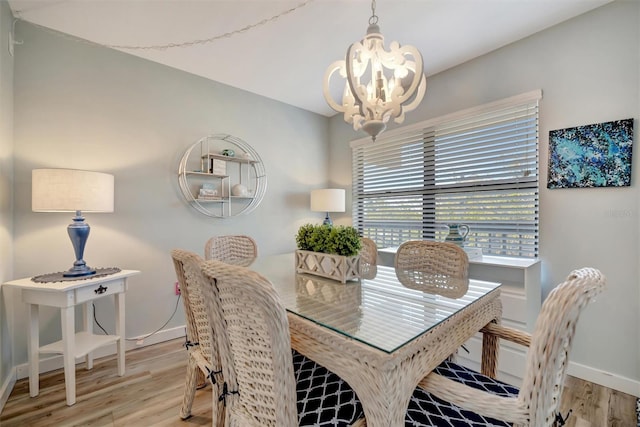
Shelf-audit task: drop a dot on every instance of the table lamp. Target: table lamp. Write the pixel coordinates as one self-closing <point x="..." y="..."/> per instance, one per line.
<point x="69" y="190"/>
<point x="327" y="200"/>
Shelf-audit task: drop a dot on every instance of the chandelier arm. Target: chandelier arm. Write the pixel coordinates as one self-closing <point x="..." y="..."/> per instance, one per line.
<point x="357" y="89"/>
<point x="418" y="71"/>
<point x="353" y="86"/>
<point x="390" y="60"/>
<point x="336" y="66"/>
<point x="349" y="108"/>
<point x="422" y="88"/>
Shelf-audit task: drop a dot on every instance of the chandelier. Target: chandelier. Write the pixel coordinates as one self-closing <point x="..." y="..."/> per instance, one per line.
<point x="380" y="84"/>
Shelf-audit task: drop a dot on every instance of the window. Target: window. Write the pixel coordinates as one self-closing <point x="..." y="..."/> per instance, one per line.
<point x="477" y="167"/>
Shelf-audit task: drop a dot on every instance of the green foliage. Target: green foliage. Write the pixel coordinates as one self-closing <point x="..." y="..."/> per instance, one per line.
<point x="303" y="238"/>
<point x="338" y="240"/>
<point x="319" y="238"/>
<point x="344" y="240"/>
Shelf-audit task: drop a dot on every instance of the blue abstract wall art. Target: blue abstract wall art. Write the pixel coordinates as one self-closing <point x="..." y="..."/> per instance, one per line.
<point x="597" y="155"/>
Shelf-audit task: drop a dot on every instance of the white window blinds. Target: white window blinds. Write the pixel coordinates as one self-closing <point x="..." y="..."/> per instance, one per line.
<point x="478" y="167"/>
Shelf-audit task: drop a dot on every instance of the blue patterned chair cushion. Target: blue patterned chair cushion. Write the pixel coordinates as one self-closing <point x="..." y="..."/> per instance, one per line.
<point x="427" y="410"/>
<point x="324" y="399"/>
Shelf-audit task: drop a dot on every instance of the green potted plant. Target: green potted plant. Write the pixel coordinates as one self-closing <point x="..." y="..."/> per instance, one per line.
<point x="328" y="251"/>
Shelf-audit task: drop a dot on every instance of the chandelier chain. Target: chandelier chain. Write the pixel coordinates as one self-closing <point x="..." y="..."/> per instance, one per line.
<point x="374" y="18"/>
<point x="188" y="43"/>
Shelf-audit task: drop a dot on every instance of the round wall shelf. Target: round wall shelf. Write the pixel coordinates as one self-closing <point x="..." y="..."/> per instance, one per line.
<point x="222" y="176"/>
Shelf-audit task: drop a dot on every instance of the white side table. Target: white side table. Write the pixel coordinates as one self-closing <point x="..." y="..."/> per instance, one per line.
<point x="66" y="295"/>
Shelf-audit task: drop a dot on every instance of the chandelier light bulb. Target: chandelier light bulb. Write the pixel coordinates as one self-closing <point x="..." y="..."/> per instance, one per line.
<point x="380" y="84"/>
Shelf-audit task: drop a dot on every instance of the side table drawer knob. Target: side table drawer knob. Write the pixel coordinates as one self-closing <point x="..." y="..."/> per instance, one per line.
<point x="102" y="290"/>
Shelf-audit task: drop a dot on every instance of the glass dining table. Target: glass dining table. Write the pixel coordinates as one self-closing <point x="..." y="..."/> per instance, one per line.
<point x="385" y="333"/>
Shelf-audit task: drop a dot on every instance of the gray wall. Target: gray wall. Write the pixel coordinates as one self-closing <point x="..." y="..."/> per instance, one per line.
<point x="6" y="189"/>
<point x="588" y="70"/>
<point x="87" y="107"/>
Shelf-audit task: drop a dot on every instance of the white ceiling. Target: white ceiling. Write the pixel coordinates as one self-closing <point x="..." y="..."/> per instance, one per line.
<point x="285" y="58"/>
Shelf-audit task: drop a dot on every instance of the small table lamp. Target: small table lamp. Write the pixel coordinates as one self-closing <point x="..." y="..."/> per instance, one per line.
<point x="68" y="190"/>
<point x="327" y="200"/>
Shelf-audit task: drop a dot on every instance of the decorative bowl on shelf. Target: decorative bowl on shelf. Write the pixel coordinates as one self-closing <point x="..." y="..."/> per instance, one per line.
<point x="239" y="190"/>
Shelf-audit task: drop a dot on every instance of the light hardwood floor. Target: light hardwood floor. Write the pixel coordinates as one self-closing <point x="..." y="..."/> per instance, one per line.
<point x="150" y="394"/>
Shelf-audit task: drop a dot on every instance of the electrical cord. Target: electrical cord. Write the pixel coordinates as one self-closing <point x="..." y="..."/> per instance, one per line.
<point x="146" y="336"/>
<point x="96" y="320"/>
<point x="185" y="44"/>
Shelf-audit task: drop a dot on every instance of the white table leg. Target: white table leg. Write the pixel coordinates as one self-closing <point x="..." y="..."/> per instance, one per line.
<point x="33" y="345"/>
<point x="120" y="330"/>
<point x="87" y="311"/>
<point x="67" y="315"/>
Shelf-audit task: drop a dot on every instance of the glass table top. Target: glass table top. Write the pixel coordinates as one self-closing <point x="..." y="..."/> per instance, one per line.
<point x="384" y="312"/>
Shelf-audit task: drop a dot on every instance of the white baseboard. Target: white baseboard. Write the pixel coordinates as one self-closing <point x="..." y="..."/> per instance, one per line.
<point x="511" y="368"/>
<point x="7" y="388"/>
<point x="55" y="362"/>
<point x="607" y="379"/>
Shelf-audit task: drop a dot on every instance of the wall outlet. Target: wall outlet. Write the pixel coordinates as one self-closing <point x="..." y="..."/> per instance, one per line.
<point x="177" y="288"/>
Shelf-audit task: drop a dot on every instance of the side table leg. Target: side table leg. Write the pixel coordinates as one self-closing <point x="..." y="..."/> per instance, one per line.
<point x="120" y="330"/>
<point x="33" y="345"/>
<point x="67" y="315"/>
<point x="87" y="311"/>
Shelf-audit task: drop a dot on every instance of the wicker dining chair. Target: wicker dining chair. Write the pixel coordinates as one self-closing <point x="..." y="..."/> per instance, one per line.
<point x="368" y="258"/>
<point x="463" y="394"/>
<point x="267" y="385"/>
<point x="232" y="249"/>
<point x="201" y="344"/>
<point x="437" y="258"/>
<point x="436" y="267"/>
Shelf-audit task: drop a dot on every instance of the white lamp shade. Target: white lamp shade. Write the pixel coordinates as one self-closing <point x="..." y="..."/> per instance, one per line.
<point x="327" y="200"/>
<point x="69" y="190"/>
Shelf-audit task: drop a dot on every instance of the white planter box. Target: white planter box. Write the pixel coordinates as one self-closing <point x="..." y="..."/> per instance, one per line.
<point x="336" y="267"/>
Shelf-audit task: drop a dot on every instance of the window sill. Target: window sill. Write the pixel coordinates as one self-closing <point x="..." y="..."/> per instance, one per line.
<point x="387" y="256"/>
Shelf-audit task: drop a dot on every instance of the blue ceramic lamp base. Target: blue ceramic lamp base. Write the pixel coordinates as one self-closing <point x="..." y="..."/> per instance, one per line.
<point x="327" y="220"/>
<point x="78" y="233"/>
